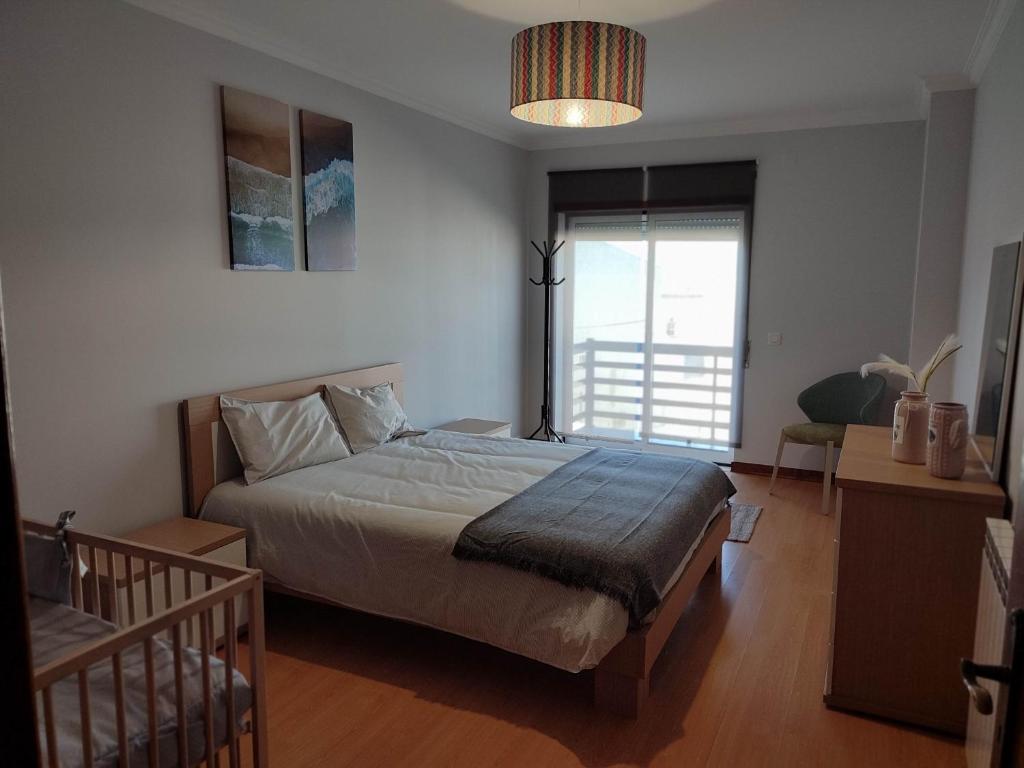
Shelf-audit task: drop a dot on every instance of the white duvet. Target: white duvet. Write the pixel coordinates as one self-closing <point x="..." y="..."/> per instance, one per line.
<point x="375" y="532"/>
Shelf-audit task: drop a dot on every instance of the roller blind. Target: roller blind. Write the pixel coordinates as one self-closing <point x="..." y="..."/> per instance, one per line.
<point x="595" y="190"/>
<point x="704" y="184"/>
<point x="658" y="186"/>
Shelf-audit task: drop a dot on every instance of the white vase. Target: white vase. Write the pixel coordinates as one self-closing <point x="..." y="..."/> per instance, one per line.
<point x="910" y="428"/>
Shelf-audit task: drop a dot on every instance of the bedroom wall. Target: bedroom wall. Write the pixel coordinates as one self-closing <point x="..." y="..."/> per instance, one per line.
<point x="114" y="255"/>
<point x="833" y="258"/>
<point x="995" y="214"/>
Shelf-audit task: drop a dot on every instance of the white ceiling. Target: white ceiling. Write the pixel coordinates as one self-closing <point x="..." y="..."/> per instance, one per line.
<point x="713" y="66"/>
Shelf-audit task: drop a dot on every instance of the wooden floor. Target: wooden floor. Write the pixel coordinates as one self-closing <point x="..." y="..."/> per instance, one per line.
<point x="739" y="683"/>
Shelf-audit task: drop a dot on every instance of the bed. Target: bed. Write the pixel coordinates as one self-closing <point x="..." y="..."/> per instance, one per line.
<point x="375" y="532"/>
<point x="131" y="689"/>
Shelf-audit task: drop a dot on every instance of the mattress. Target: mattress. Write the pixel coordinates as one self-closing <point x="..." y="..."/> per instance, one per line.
<point x="375" y="532"/>
<point x="57" y="630"/>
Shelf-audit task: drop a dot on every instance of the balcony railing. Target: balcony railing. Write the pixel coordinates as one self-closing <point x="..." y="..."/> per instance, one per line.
<point x="680" y="394"/>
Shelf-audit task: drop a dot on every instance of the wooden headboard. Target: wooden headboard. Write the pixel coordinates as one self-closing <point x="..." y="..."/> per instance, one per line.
<point x="210" y="457"/>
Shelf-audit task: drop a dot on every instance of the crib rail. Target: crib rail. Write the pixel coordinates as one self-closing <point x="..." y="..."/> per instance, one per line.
<point x="211" y="589"/>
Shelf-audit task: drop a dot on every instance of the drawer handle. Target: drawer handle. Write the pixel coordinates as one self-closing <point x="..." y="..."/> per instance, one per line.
<point x="980" y="697"/>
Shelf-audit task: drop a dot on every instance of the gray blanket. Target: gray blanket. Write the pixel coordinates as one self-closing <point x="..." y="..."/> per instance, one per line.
<point x="617" y="522"/>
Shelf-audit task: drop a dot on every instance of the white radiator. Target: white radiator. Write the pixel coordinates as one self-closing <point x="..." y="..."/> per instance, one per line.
<point x="984" y="731"/>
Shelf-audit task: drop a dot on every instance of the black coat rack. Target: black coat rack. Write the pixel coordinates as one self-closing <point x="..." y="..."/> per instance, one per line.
<point x="548" y="282"/>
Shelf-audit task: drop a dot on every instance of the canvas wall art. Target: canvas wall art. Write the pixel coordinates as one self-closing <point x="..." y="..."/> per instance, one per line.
<point x="259" y="180"/>
<point x="329" y="198"/>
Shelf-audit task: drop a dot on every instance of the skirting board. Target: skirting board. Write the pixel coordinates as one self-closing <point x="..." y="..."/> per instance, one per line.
<point x="793" y="473"/>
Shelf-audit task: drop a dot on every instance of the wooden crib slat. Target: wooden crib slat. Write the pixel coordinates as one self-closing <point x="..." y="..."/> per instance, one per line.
<point x="94" y="583"/>
<point x="260" y="756"/>
<point x="148" y="576"/>
<point x="77" y="599"/>
<point x="122" y="729"/>
<point x="207" y="586"/>
<point x="154" y="752"/>
<point x="112" y="588"/>
<point x="232" y="636"/>
<point x="168" y="601"/>
<point x="52" y="758"/>
<point x="85" y="711"/>
<point x="207" y="648"/>
<point x="179" y="698"/>
<point x="168" y="594"/>
<point x="229" y="681"/>
<point x="129" y="569"/>
<point x="212" y="629"/>
<point x="188" y="596"/>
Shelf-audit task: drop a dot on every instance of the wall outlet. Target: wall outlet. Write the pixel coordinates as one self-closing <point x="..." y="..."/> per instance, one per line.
<point x="774" y="339"/>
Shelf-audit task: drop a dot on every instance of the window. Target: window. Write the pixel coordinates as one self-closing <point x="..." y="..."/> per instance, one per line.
<point x="650" y="330"/>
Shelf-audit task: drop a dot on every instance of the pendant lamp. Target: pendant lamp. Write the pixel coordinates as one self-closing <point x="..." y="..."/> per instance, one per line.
<point x="578" y="74"/>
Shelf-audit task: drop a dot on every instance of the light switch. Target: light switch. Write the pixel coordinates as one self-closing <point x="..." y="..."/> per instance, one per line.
<point x="774" y="339"/>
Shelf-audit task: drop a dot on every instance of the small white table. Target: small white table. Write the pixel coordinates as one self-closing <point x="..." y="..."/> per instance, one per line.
<point x="479" y="427"/>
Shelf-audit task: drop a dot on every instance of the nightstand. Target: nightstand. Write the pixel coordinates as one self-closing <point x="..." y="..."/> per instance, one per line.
<point x="479" y="427"/>
<point x="190" y="536"/>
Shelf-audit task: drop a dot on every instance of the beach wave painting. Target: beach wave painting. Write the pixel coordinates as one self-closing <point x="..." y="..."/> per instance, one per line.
<point x="329" y="195"/>
<point x="259" y="170"/>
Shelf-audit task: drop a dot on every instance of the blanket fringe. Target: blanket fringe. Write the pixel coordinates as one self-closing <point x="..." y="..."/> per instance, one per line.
<point x="646" y="597"/>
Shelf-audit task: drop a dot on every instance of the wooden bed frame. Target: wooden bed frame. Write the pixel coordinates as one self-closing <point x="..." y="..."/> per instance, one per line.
<point x="621" y="680"/>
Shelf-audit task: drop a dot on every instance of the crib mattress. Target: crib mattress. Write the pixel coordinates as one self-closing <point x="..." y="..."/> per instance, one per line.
<point x="58" y="630"/>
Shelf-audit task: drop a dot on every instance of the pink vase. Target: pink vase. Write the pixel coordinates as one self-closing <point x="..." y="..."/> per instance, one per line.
<point x="947" y="440"/>
<point x="910" y="428"/>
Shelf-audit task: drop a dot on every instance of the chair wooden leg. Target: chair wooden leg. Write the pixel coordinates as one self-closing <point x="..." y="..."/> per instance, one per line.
<point x="827" y="484"/>
<point x="778" y="460"/>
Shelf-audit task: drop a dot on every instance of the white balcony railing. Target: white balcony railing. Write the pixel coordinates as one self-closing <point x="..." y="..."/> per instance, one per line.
<point x="680" y="394"/>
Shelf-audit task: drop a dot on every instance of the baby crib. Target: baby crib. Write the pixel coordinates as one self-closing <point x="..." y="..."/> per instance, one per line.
<point x="125" y="675"/>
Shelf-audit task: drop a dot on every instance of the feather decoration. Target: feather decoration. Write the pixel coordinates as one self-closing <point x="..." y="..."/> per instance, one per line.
<point x="918" y="379"/>
<point x="886" y="364"/>
<point x="949" y="346"/>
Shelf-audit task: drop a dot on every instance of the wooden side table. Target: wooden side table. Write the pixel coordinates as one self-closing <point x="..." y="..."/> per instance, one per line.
<point x="479" y="427"/>
<point x="190" y="536"/>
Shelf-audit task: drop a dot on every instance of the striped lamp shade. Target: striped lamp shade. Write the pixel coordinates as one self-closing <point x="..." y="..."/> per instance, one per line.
<point x="578" y="74"/>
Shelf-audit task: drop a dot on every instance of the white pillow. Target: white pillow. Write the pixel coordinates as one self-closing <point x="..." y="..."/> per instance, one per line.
<point x="277" y="437"/>
<point x="369" y="416"/>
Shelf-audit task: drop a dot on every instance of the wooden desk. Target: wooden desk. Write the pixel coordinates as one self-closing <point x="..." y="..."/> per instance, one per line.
<point x="907" y="557"/>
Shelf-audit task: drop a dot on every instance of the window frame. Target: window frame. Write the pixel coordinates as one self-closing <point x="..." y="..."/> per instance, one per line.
<point x="562" y="305"/>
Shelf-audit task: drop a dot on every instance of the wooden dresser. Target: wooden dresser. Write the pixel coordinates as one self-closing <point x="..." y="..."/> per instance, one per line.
<point x="908" y="551"/>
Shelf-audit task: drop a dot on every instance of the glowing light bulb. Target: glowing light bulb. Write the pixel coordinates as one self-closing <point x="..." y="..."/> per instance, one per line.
<point x="575" y="115"/>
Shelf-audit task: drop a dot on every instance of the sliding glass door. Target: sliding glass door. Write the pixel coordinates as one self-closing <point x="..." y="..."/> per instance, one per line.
<point x="650" y="332"/>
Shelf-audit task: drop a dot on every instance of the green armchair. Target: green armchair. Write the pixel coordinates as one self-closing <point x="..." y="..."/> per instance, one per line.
<point x="830" y="405"/>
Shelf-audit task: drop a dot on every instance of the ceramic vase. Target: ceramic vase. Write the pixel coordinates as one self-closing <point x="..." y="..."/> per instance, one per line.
<point x="910" y="428"/>
<point x="947" y="440"/>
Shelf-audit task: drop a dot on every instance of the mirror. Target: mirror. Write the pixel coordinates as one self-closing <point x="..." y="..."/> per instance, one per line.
<point x="998" y="358"/>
